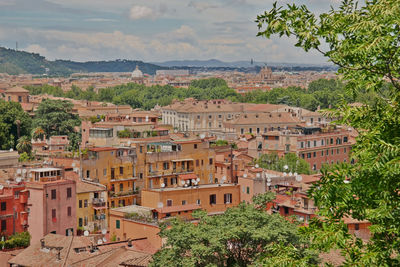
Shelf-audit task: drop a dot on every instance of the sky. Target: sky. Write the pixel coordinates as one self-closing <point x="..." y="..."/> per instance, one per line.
<point x="148" y="30"/>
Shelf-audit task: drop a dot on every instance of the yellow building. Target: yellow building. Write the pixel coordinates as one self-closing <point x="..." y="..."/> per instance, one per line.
<point x="112" y="167"/>
<point x="91" y="210"/>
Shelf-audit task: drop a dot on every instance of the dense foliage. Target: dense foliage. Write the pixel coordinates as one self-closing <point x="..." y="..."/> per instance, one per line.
<point x="293" y="163"/>
<point x="363" y="41"/>
<point x="12" y="118"/>
<point x="55" y="117"/>
<point x="241" y="236"/>
<point x="19" y="240"/>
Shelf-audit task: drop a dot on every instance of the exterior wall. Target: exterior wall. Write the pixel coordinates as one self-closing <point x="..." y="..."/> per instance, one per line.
<point x="17" y="97"/>
<point x="8" y="158"/>
<point x="192" y="195"/>
<point x="41" y="206"/>
<point x="363" y="230"/>
<point x="87" y="214"/>
<point x="250" y="187"/>
<point x="133" y="229"/>
<point x="15" y="215"/>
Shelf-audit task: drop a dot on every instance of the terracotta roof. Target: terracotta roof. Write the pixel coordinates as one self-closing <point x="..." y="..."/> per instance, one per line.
<point x="84" y="187"/>
<point x="17" y="89"/>
<point x="179" y="208"/>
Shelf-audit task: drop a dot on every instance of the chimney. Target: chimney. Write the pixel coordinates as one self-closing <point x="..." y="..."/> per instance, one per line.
<point x="59" y="255"/>
<point x="129" y="242"/>
<point x="42" y="244"/>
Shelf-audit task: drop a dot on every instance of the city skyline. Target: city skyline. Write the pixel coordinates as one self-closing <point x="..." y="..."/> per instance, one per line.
<point x="152" y="31"/>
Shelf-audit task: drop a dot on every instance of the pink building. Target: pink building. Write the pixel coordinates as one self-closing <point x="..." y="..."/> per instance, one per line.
<point x="52" y="203"/>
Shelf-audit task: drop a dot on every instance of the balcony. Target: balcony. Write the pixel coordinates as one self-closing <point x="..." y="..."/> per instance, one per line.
<point x="99" y="217"/>
<point x="182" y="170"/>
<point x="98" y="202"/>
<point x="123" y="193"/>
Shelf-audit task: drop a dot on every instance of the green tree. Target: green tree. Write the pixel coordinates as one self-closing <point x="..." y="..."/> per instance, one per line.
<point x="239" y="237"/>
<point x="272" y="161"/>
<point x="363" y="41"/>
<point x="55" y="117"/>
<point x="13" y="122"/>
<point x="24" y="145"/>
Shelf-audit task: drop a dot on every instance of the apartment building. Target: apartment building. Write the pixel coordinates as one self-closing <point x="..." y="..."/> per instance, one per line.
<point x="52" y="203"/>
<point x="114" y="168"/>
<point x="13" y="208"/>
<point x="91" y="208"/>
<point x="316" y="145"/>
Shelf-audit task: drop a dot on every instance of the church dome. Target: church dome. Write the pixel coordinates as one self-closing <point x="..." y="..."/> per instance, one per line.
<point x="137" y="74"/>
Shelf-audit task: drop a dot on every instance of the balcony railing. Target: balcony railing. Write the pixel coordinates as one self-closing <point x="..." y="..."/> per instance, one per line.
<point x="98" y="202"/>
<point x="182" y="170"/>
<point x="99" y="217"/>
<point x="123" y="193"/>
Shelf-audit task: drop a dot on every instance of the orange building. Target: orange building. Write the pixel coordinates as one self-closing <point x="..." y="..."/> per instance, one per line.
<point x="13" y="208"/>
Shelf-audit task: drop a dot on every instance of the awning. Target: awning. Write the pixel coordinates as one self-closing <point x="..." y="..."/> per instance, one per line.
<point x="100" y="208"/>
<point x="175" y="160"/>
<point x="188" y="176"/>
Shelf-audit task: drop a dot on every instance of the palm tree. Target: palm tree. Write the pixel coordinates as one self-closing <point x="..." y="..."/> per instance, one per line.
<point x="38" y="133"/>
<point x="24" y="145"/>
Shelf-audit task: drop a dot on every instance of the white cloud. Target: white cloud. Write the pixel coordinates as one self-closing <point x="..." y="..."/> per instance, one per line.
<point x="35" y="48"/>
<point x="140" y="12"/>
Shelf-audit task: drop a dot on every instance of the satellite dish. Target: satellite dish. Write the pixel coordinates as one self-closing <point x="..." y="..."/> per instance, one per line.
<point x="18" y="180"/>
<point x="245" y="175"/>
<point x="202" y="136"/>
<point x="129" y="143"/>
<point x="257" y="166"/>
<point x="286" y="167"/>
<point x="1" y="186"/>
<point x="268" y="184"/>
<point x="104" y="231"/>
<point x="290" y="173"/>
<point x="73" y="164"/>
<point x="162" y="185"/>
<point x="127" y="117"/>
<point x="86" y="233"/>
<point x="198" y="179"/>
<point x="19" y="171"/>
<point x="346" y="181"/>
<point x="284" y="174"/>
<point x="258" y="175"/>
<point x="23" y="170"/>
<point x="160" y="205"/>
<point x="299" y="178"/>
<point x="99" y="242"/>
<point x="295" y="174"/>
<point x="11" y="150"/>
<point x="268" y="179"/>
<point x="104" y="240"/>
<point x="193" y="180"/>
<point x="187" y="182"/>
<point x="196" y="183"/>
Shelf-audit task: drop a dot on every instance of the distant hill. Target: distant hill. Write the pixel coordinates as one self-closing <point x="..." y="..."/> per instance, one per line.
<point x="215" y="63"/>
<point x="20" y="62"/>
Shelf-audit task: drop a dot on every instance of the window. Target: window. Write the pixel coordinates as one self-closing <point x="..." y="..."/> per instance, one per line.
<point x="69" y="192"/>
<point x="301" y="144"/>
<point x="198" y="117"/>
<point x="248" y="190"/>
<point x="85" y="203"/>
<point x="322" y="153"/>
<point x="344" y="150"/>
<point x="322" y="142"/>
<point x="345" y="139"/>
<point x="140" y="175"/>
<point x="198" y="202"/>
<point x="302" y="155"/>
<point x="80" y="203"/>
<point x="210" y="161"/>
<point x="53" y="194"/>
<point x="3" y="225"/>
<point x="356" y="226"/>
<point x="227" y="198"/>
<point x="197" y="163"/>
<point x="69" y="211"/>
<point x="169" y="202"/>
<point x="332" y="151"/>
<point x="195" y="146"/>
<point x="165" y="165"/>
<point x="338" y="151"/>
<point x="209" y="124"/>
<point x="308" y="144"/>
<point x="121" y="170"/>
<point x="105" y="172"/>
<point x="209" y="116"/>
<point x="87" y="174"/>
<point x="118" y="224"/>
<point x="141" y="149"/>
<point x="286" y="210"/>
<point x="213" y="199"/>
<point x="16" y="194"/>
<point x="53" y="213"/>
<point x="121" y="187"/>
<point x="258" y="130"/>
<point x="331" y="141"/>
<point x="250" y="130"/>
<point x="314" y="167"/>
<point x="80" y="222"/>
<point x="241" y="131"/>
<point x="183" y="202"/>
<point x="314" y="154"/>
<point x="308" y="155"/>
<point x="19" y="98"/>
